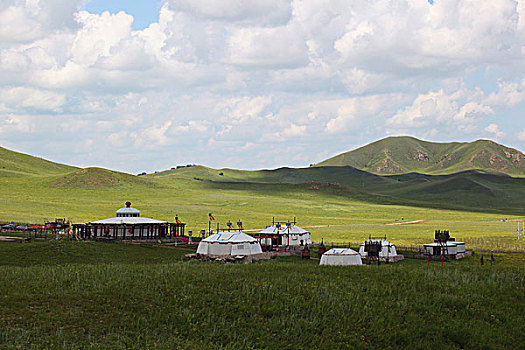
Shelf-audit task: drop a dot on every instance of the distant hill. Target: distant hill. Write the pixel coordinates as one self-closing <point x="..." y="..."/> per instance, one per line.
<point x="97" y="177"/>
<point x="16" y="164"/>
<point x="402" y="155"/>
<point x="473" y="190"/>
<point x="469" y="190"/>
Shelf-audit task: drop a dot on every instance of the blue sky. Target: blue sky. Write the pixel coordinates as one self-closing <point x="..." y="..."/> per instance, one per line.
<point x="144" y="12"/>
<point x="148" y="85"/>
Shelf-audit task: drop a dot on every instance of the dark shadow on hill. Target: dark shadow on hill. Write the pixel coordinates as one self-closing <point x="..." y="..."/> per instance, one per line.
<point x="468" y="190"/>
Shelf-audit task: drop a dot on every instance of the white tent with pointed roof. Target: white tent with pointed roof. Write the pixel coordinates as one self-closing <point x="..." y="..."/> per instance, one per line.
<point x="290" y="235"/>
<point x="341" y="256"/>
<point x="229" y="244"/>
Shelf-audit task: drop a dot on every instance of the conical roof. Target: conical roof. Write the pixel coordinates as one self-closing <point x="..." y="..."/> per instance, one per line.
<point x="341" y="251"/>
<point x="293" y="229"/>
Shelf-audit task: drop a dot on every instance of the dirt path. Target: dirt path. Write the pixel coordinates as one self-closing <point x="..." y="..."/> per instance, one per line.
<point x="405" y="222"/>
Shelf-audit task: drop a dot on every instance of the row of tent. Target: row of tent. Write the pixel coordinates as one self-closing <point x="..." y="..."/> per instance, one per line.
<point x="347" y="256"/>
<point x="241" y="244"/>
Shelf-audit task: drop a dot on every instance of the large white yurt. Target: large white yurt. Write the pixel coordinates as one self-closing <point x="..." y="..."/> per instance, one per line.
<point x="388" y="250"/>
<point x="437" y="249"/>
<point x="287" y="235"/>
<point x="341" y="256"/>
<point x="229" y="244"/>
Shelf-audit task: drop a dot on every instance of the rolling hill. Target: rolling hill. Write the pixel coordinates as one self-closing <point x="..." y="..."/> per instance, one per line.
<point x="473" y="190"/>
<point x="97" y="177"/>
<point x="402" y="155"/>
<point x="469" y="190"/>
<point x="17" y="164"/>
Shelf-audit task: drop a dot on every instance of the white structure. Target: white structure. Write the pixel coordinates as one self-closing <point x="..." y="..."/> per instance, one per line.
<point x="341" y="256"/>
<point x="460" y="247"/>
<point x="436" y="249"/>
<point x="388" y="250"/>
<point x="129" y="224"/>
<point x="285" y="235"/>
<point x="229" y="244"/>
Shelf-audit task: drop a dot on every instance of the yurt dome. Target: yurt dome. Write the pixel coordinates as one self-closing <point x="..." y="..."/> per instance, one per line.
<point x="388" y="250"/>
<point x="341" y="256"/>
<point x="229" y="244"/>
<point x="128" y="211"/>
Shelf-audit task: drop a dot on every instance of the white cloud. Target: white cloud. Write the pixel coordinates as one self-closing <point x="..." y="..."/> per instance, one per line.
<point x="508" y="95"/>
<point x="521" y="135"/>
<point x="494" y="129"/>
<point x="294" y="131"/>
<point x="22" y="97"/>
<point x="253" y="12"/>
<point x="437" y="107"/>
<point x="225" y="81"/>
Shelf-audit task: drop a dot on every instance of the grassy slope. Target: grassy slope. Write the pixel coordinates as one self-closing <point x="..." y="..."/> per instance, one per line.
<point x="468" y="190"/>
<point x="16" y="164"/>
<point x="122" y="296"/>
<point x="398" y="155"/>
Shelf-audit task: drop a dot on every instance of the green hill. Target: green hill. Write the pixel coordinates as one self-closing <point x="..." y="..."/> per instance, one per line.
<point x="473" y="190"/>
<point x="16" y="164"/>
<point x="97" y="177"/>
<point x="402" y="155"/>
<point x="469" y="190"/>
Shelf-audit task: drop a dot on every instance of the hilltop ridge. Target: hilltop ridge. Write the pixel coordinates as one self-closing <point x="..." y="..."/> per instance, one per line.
<point x="403" y="155"/>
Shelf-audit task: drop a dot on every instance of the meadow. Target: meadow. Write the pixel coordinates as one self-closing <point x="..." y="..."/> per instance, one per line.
<point x="72" y="295"/>
<point x="329" y="213"/>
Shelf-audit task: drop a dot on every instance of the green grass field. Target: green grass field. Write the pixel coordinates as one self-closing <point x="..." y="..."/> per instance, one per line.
<point x="72" y="295"/>
<point x="338" y="215"/>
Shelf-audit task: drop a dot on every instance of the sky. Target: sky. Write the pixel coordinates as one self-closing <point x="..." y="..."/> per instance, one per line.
<point x="139" y="86"/>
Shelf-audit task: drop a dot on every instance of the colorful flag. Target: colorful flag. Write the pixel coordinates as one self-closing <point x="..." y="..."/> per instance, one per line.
<point x="211" y="216"/>
<point x="481" y="259"/>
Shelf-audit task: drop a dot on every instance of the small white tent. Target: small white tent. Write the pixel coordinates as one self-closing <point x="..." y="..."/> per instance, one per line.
<point x="341" y="256"/>
<point x="388" y="250"/>
<point x="229" y="244"/>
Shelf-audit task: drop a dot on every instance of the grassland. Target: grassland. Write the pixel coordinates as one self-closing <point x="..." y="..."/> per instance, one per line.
<point x="339" y="215"/>
<point x="69" y="295"/>
<point x="335" y="203"/>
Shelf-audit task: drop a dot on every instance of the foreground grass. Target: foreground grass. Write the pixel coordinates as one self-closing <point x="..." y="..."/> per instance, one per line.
<point x="128" y="296"/>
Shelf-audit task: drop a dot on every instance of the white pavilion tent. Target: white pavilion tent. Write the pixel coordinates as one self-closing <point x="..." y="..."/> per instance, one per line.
<point x="341" y="256"/>
<point x="229" y="244"/>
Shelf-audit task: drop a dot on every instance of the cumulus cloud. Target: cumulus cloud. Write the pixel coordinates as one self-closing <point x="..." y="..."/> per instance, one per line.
<point x="437" y="107"/>
<point x="226" y="81"/>
<point x="22" y="97"/>
<point x="253" y="12"/>
<point x="494" y="129"/>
